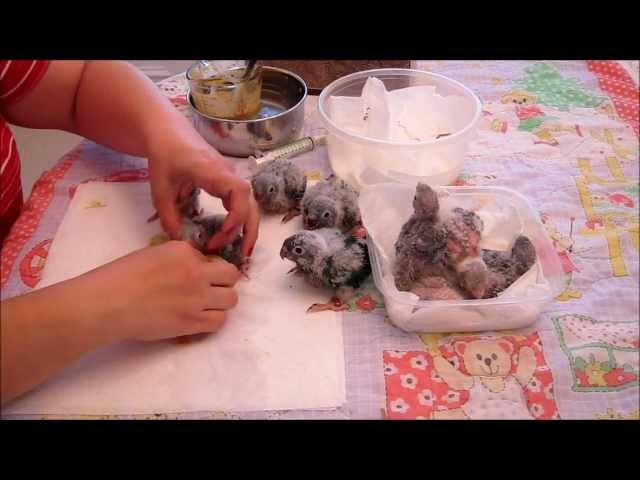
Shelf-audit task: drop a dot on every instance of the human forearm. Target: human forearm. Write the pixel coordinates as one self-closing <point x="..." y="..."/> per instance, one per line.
<point x="45" y="330"/>
<point x="128" y="114"/>
<point x="111" y="103"/>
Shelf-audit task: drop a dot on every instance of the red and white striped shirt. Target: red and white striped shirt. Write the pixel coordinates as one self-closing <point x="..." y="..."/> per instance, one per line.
<point x="17" y="79"/>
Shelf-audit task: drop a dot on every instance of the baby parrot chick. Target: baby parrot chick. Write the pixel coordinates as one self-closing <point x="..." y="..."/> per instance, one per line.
<point x="506" y="267"/>
<point x="331" y="203"/>
<point x="464" y="230"/>
<point x="329" y="258"/>
<point x="189" y="206"/>
<point x="278" y="187"/>
<point x="421" y="245"/>
<point x="197" y="231"/>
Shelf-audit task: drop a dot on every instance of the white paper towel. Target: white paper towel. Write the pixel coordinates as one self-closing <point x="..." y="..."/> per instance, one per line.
<point x="270" y="355"/>
<point x="412" y="114"/>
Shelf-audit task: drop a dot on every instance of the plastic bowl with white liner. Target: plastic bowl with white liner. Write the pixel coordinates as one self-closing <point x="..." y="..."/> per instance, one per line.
<point x="364" y="161"/>
<point x="385" y="207"/>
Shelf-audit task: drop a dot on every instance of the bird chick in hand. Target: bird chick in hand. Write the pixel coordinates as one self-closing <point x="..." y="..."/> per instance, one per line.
<point x="197" y="231"/>
<point x="329" y="258"/>
<point x="189" y="206"/>
<point x="278" y="187"/>
<point x="332" y="203"/>
<point x="421" y="246"/>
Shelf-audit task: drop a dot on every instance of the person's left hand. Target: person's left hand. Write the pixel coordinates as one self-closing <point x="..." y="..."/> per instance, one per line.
<point x="174" y="172"/>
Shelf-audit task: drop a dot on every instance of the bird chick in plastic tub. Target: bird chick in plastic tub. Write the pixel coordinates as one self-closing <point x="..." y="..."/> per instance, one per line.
<point x="398" y="125"/>
<point x="452" y="259"/>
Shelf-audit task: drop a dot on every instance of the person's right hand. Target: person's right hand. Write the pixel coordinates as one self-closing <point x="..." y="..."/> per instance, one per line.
<point x="163" y="291"/>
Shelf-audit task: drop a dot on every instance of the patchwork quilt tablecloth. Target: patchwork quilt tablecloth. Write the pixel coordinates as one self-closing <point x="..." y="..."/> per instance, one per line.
<point x="564" y="134"/>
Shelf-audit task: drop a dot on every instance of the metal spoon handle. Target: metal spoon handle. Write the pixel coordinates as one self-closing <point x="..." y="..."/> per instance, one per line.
<point x="249" y="69"/>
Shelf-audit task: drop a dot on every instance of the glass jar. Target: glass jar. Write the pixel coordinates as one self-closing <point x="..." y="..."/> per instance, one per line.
<point x="219" y="88"/>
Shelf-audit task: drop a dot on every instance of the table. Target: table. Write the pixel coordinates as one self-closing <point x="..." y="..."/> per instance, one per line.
<point x="564" y="134"/>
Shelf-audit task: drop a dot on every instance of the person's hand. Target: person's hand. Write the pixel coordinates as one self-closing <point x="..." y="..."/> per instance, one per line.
<point x="176" y="171"/>
<point x="160" y="292"/>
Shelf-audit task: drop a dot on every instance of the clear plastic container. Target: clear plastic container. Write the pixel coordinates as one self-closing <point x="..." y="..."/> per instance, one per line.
<point x="386" y="207"/>
<point x="364" y="161"/>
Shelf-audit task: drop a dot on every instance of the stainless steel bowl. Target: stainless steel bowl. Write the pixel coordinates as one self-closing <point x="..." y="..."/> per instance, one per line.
<point x="279" y="121"/>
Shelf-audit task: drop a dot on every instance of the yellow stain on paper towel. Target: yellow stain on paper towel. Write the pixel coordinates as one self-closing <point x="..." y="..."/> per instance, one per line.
<point x="158" y="239"/>
<point x="313" y="176"/>
<point x="95" y="204"/>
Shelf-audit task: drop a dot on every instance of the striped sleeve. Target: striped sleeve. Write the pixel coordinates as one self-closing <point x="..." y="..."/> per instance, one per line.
<point x="19" y="77"/>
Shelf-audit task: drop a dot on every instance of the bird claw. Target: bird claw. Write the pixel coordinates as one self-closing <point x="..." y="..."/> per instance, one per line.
<point x="291" y="214"/>
<point x="153" y="217"/>
<point x="294" y="270"/>
<point x="359" y="232"/>
<point x="334" y="305"/>
<point x="244" y="268"/>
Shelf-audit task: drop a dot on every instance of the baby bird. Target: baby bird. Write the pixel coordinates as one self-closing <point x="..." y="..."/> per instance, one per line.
<point x="199" y="230"/>
<point x="437" y="288"/>
<point x="506" y="267"/>
<point x="278" y="187"/>
<point x="189" y="206"/>
<point x="422" y="243"/>
<point x="332" y="203"/>
<point x="464" y="230"/>
<point x="329" y="258"/>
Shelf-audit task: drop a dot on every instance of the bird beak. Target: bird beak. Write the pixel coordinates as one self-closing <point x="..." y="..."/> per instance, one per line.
<point x="286" y="247"/>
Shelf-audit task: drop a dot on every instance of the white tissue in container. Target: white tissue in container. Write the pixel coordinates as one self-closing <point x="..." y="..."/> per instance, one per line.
<point x="405" y="111"/>
<point x="386" y="207"/>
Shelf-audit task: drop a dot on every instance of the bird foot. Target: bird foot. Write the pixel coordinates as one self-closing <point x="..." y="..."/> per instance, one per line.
<point x="291" y="214"/>
<point x="553" y="143"/>
<point x="359" y="232"/>
<point x="153" y="217"/>
<point x="334" y="305"/>
<point x="295" y="270"/>
<point x="244" y="268"/>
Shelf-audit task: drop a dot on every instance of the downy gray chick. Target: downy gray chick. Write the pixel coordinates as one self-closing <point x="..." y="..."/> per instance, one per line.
<point x="421" y="245"/>
<point x="464" y="230"/>
<point x="332" y="203"/>
<point x="329" y="258"/>
<point x="506" y="267"/>
<point x="189" y="206"/>
<point x="199" y="230"/>
<point x="278" y="187"/>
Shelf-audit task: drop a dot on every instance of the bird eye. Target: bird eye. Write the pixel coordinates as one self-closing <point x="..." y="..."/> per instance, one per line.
<point x="297" y="251"/>
<point x="326" y="214"/>
<point x="271" y="189"/>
